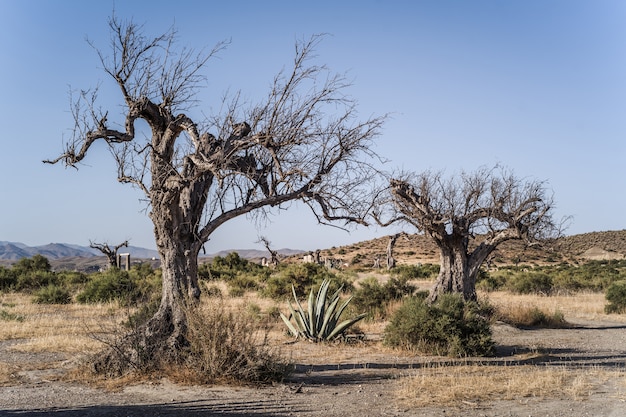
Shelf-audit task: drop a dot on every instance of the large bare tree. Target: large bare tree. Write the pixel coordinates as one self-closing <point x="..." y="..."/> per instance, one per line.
<point x="468" y="216"/>
<point x="301" y="142"/>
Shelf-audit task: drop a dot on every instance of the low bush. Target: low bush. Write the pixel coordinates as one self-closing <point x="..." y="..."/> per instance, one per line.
<point x="227" y="346"/>
<point x="450" y="326"/>
<point x="373" y="298"/>
<point x="8" y="279"/>
<point x="616" y="297"/>
<point x="531" y="316"/>
<point x="303" y="277"/>
<point x="53" y="294"/>
<point x="531" y="283"/>
<point x="407" y="272"/>
<point x="113" y="284"/>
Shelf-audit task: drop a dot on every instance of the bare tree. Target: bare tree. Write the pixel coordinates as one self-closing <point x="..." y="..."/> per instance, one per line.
<point x="302" y="142"/>
<point x="110" y="253"/>
<point x="468" y="216"/>
<point x="273" y="254"/>
<point x="391" y="261"/>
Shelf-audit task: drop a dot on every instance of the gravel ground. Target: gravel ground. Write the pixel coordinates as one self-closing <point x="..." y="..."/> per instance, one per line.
<point x="364" y="384"/>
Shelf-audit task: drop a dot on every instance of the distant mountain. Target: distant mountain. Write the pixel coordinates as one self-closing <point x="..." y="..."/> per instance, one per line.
<point x="13" y="251"/>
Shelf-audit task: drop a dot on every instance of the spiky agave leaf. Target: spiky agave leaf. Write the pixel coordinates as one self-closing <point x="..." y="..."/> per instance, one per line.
<point x="344" y="325"/>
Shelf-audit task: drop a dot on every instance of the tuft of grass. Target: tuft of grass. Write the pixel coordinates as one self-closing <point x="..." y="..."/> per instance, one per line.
<point x="520" y="315"/>
<point x="229" y="346"/>
<point x="473" y="384"/>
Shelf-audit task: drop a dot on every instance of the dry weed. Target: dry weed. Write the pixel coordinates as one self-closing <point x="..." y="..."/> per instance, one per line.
<point x="585" y="305"/>
<point x="473" y="384"/>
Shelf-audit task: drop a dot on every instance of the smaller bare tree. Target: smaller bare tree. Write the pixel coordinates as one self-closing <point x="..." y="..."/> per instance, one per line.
<point x="468" y="216"/>
<point x="273" y="254"/>
<point x="110" y="253"/>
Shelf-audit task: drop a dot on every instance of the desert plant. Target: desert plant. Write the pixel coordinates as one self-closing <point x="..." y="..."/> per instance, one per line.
<point x="531" y="316"/>
<point x="112" y="284"/>
<point x="374" y="298"/>
<point x="321" y="321"/>
<point x="230" y="347"/>
<point x="420" y="271"/>
<point x="8" y="279"/>
<point x="616" y="296"/>
<point x="531" y="283"/>
<point x="450" y="326"/>
<point x="52" y="294"/>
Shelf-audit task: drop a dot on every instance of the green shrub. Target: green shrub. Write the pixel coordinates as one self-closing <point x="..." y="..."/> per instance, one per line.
<point x="113" y="284"/>
<point x="531" y="283"/>
<point x="490" y="281"/>
<point x="8" y="279"/>
<point x="616" y="296"/>
<point x="303" y="277"/>
<point x="407" y="272"/>
<point x="32" y="280"/>
<point x="450" y="326"/>
<point x="373" y="298"/>
<point x="52" y="294"/>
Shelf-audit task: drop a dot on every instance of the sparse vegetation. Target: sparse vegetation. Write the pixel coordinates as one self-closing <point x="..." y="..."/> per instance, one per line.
<point x="616" y="297"/>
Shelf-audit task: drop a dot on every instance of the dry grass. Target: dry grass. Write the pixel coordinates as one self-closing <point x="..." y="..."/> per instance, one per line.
<point x="57" y="328"/>
<point x="473" y="384"/>
<point x="587" y="306"/>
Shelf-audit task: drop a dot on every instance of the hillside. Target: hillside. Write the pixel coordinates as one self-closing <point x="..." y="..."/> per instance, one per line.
<point x="418" y="248"/>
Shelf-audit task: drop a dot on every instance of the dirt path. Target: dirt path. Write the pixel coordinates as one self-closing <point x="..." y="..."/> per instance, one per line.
<point x="362" y="383"/>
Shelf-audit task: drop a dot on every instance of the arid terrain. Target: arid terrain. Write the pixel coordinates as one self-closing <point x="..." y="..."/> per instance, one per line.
<point x="578" y="370"/>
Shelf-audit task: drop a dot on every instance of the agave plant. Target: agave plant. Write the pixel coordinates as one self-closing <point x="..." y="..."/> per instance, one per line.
<point x="321" y="321"/>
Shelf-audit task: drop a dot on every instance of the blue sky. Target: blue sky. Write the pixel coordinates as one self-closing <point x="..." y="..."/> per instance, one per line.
<point x="536" y="85"/>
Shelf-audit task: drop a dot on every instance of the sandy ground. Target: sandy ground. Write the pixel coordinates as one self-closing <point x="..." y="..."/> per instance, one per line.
<point x="358" y="382"/>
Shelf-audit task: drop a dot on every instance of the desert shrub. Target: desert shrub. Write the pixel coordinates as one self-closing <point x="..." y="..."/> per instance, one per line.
<point x="408" y="272"/>
<point x="531" y="283"/>
<point x="35" y="263"/>
<point x="52" y="294"/>
<point x="531" y="316"/>
<point x="490" y="281"/>
<point x="228" y="267"/>
<point x="450" y="326"/>
<point x="242" y="282"/>
<point x="227" y="346"/>
<point x="616" y="297"/>
<point x="72" y="277"/>
<point x="303" y="277"/>
<point x="373" y="298"/>
<point x="112" y="284"/>
<point x="213" y="291"/>
<point x="31" y="280"/>
<point x="8" y="279"/>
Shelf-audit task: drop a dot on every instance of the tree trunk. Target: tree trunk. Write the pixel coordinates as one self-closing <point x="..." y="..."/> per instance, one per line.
<point x="457" y="272"/>
<point x="163" y="338"/>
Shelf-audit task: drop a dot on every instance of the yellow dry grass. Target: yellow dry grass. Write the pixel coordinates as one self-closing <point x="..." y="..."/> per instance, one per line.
<point x="474" y="384"/>
<point x="56" y="328"/>
<point x="585" y="305"/>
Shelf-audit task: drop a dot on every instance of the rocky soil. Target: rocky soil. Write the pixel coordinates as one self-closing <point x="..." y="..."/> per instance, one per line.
<point x="360" y="382"/>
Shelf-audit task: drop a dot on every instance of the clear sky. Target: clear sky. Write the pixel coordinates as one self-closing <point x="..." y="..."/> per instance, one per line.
<point x="536" y="85"/>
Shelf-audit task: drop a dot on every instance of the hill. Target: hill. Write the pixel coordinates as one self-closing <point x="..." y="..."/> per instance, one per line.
<point x="418" y="248"/>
